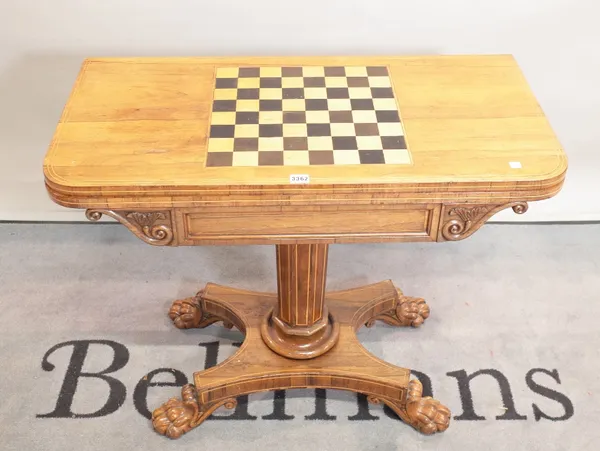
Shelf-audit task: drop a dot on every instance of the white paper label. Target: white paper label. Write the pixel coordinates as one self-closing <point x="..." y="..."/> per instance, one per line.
<point x="515" y="164"/>
<point x="299" y="178"/>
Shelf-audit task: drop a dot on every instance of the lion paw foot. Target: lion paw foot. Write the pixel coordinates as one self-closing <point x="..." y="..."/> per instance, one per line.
<point x="425" y="414"/>
<point x="177" y="416"/>
<point x="188" y="313"/>
<point x="408" y="311"/>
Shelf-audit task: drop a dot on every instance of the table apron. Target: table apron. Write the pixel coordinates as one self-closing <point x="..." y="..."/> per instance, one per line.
<point x="308" y="224"/>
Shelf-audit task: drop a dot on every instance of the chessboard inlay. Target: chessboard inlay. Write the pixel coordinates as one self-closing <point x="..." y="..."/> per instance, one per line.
<point x="309" y="115"/>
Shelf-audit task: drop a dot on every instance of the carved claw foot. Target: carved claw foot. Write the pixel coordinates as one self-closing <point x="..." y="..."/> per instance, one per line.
<point x="178" y="416"/>
<point x="187" y="313"/>
<point x="409" y="311"/>
<point x="427" y="415"/>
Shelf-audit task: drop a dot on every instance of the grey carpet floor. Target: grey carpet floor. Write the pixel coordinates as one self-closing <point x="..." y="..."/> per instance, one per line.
<point x="512" y="346"/>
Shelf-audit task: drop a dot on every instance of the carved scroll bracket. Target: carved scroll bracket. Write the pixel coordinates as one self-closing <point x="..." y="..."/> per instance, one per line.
<point x="153" y="227"/>
<point x="461" y="221"/>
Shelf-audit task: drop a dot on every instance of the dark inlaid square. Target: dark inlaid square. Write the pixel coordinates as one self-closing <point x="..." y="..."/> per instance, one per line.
<point x="270" y="130"/>
<point x="371" y="156"/>
<point x="393" y="142"/>
<point x="366" y="129"/>
<point x="335" y="71"/>
<point x="246" y="117"/>
<point x="224" y="105"/>
<point x="294" y="117"/>
<point x="246" y="72"/>
<point x="344" y="143"/>
<point x="293" y="93"/>
<point x="316" y="104"/>
<point x="319" y="130"/>
<point x="291" y="71"/>
<point x="382" y="93"/>
<point x="338" y="93"/>
<point x="295" y="143"/>
<point x="219" y="159"/>
<point x="270" y="158"/>
<point x="226" y="83"/>
<point x="320" y="157"/>
<point x="358" y="82"/>
<point x="270" y="82"/>
<point x="340" y="116"/>
<point x="245" y="144"/>
<point x="387" y="116"/>
<point x="248" y="93"/>
<point x="377" y="71"/>
<point x="222" y="131"/>
<point x="270" y="105"/>
<point x="314" y="82"/>
<point x="362" y="104"/>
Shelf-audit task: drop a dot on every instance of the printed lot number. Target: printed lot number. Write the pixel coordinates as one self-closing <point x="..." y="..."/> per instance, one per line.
<point x="299" y="178"/>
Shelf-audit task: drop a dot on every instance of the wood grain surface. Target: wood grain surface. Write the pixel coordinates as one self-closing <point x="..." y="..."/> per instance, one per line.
<point x="255" y="368"/>
<point x="301" y="276"/>
<point x="134" y="133"/>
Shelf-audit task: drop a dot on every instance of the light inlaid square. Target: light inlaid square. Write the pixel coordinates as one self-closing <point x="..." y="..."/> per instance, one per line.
<point x="385" y="104"/>
<point x="270" y="71"/>
<point x="246" y="131"/>
<point x="380" y="82"/>
<point x="270" y="117"/>
<point x="270" y="93"/>
<point x="336" y="82"/>
<point x="315" y="93"/>
<point x="356" y="71"/>
<point x="364" y="117"/>
<point x="220" y="145"/>
<point x="245" y="158"/>
<point x="296" y="158"/>
<point x="339" y="104"/>
<point x="397" y="156"/>
<point x="294" y="105"/>
<point x="346" y="157"/>
<point x="247" y="105"/>
<point x="295" y="130"/>
<point x="360" y="93"/>
<point x="292" y="82"/>
<point x="320" y="143"/>
<point x="223" y="118"/>
<point x="342" y="129"/>
<point x="390" y="129"/>
<point x="226" y="94"/>
<point x="369" y="142"/>
<point x="317" y="117"/>
<point x="313" y="71"/>
<point x="227" y="72"/>
<point x="270" y="144"/>
<point x="247" y="83"/>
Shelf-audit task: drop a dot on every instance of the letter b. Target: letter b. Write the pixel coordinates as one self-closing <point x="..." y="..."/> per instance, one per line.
<point x="117" y="391"/>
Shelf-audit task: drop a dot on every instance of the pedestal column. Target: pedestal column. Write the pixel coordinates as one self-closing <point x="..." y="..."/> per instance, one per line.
<point x="300" y="326"/>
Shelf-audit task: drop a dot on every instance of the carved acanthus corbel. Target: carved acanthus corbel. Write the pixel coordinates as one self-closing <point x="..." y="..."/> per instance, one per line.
<point x="153" y="227"/>
<point x="461" y="221"/>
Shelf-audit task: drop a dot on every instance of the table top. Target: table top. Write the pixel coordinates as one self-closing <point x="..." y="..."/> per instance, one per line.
<point x="175" y="131"/>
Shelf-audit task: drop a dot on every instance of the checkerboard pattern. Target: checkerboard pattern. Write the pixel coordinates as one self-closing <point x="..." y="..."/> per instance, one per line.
<point x="301" y="116"/>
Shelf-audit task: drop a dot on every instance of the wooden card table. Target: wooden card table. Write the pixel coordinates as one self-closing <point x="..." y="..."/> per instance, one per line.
<point x="301" y="153"/>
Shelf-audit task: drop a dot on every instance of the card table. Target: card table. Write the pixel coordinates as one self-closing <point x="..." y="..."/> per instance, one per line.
<point x="301" y="153"/>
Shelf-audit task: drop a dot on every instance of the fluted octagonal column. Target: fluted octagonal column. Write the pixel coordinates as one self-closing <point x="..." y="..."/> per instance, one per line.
<point x="300" y="326"/>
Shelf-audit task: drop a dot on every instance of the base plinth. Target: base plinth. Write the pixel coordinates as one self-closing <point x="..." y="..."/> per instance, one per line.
<point x="347" y="365"/>
<point x="299" y="346"/>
